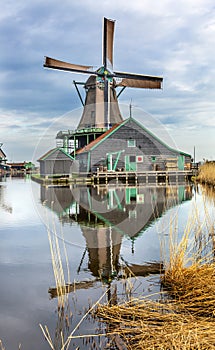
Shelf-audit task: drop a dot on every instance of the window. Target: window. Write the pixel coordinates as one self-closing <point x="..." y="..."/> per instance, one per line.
<point x="92" y="115"/>
<point x="132" y="214"/>
<point x="132" y="159"/>
<point x="131" y="143"/>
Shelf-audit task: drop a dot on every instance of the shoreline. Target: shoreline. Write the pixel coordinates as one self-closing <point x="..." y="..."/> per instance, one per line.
<point x="206" y="174"/>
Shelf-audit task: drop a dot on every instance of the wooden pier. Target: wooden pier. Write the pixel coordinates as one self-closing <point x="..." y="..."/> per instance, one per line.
<point x="119" y="178"/>
<point x="147" y="177"/>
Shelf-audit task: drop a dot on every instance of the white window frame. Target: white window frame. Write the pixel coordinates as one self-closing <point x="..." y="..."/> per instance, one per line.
<point x="131" y="140"/>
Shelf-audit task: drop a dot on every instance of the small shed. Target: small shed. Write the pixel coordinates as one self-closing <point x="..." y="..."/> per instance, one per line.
<point x="2" y="155"/>
<point x="4" y="167"/>
<point x="55" y="162"/>
<point x="129" y="146"/>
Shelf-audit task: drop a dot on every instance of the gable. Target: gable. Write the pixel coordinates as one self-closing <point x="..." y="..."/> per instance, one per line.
<point x="56" y="154"/>
<point x="147" y="133"/>
<point x="2" y="154"/>
<point x="98" y="140"/>
<point x="131" y="128"/>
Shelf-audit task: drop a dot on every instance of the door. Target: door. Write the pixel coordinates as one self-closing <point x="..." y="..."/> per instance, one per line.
<point x="180" y="162"/>
<point x="130" y="163"/>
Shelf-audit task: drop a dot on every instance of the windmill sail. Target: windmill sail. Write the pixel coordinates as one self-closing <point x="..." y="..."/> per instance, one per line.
<point x="108" y="36"/>
<point x="61" y="65"/>
<point x="141" y="84"/>
<point x="101" y="109"/>
<point x="138" y="80"/>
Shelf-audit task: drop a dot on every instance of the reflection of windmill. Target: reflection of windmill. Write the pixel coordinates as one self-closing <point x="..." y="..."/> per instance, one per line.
<point x="103" y="233"/>
<point x="118" y="215"/>
<point x="101" y="110"/>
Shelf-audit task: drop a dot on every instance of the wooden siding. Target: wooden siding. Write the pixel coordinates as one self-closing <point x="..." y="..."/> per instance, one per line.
<point x="57" y="162"/>
<point x="83" y="162"/>
<point x="155" y="154"/>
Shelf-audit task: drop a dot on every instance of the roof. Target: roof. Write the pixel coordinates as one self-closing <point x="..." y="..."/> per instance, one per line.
<point x="17" y="164"/>
<point x="101" y="138"/>
<point x="50" y="152"/>
<point x="2" y="154"/>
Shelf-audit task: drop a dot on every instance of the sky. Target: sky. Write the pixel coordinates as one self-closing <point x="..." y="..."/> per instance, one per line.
<point x="165" y="38"/>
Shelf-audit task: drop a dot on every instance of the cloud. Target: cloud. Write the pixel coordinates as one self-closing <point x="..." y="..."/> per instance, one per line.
<point x="173" y="39"/>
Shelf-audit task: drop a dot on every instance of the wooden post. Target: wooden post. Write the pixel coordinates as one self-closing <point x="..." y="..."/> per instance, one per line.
<point x="74" y="147"/>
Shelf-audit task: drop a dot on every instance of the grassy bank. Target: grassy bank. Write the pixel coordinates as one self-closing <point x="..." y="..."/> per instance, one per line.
<point x="183" y="316"/>
<point x="207" y="173"/>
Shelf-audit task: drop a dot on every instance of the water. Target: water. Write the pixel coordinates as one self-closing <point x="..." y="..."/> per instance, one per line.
<point x="89" y="239"/>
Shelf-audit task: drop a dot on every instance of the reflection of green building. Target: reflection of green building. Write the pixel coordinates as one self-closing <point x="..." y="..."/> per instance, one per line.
<point x="106" y="215"/>
<point x="128" y="209"/>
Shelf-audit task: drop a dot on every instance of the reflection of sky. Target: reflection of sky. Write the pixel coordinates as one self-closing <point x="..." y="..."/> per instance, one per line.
<point x="16" y="195"/>
<point x="26" y="267"/>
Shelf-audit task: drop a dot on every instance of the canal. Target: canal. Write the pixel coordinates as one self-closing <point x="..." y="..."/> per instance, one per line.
<point x="62" y="249"/>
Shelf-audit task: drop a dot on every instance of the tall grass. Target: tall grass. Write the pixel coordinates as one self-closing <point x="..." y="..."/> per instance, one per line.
<point x="3" y="348"/>
<point x="207" y="173"/>
<point x="63" y="336"/>
<point x="183" y="316"/>
<point x="58" y="251"/>
<point x="208" y="193"/>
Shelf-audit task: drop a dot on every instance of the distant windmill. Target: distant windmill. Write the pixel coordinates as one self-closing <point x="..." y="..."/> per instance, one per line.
<point x="101" y="108"/>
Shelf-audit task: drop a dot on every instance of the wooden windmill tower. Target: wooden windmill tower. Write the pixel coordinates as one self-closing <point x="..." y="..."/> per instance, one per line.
<point x="101" y="110"/>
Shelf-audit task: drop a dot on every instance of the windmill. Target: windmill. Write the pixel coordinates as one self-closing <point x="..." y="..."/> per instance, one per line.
<point x="101" y="110"/>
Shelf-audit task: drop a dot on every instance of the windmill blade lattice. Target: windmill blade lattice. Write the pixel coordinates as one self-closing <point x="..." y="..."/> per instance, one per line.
<point x="138" y="80"/>
<point x="61" y="65"/>
<point x="101" y="89"/>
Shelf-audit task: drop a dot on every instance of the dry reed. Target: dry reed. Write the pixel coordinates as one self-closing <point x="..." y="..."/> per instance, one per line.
<point x="207" y="173"/>
<point x="1" y="345"/>
<point x="208" y="193"/>
<point x="144" y="324"/>
<point x="3" y="348"/>
<point x="183" y="315"/>
<point x="62" y="288"/>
